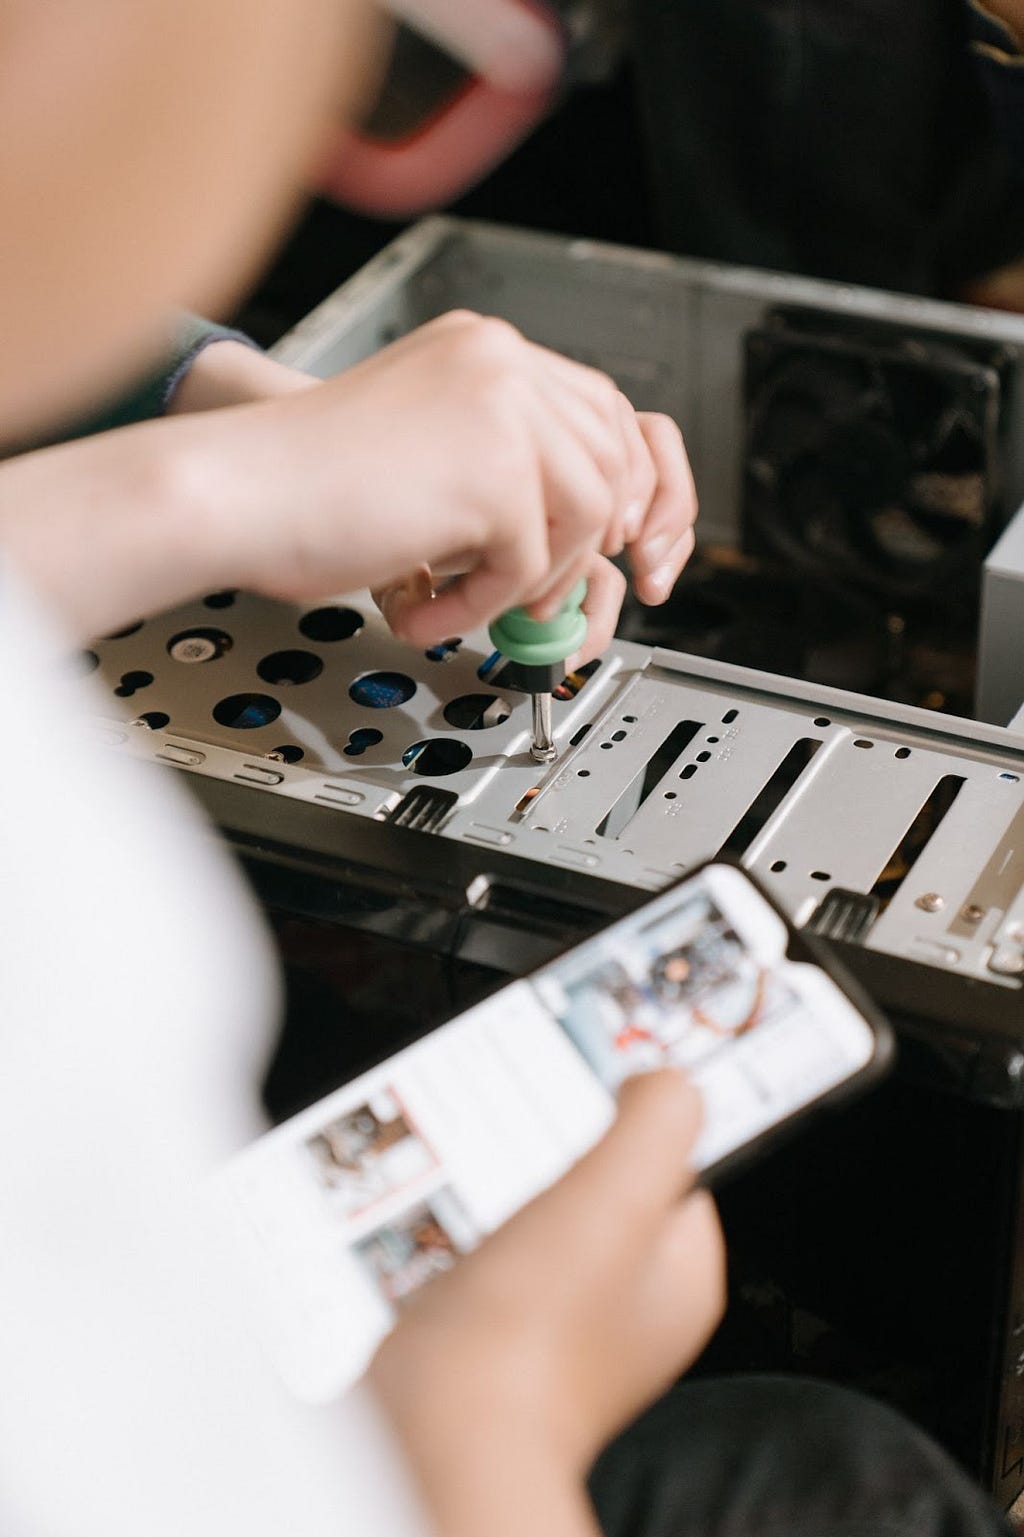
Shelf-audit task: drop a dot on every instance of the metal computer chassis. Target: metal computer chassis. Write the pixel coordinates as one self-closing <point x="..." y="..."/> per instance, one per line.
<point x="895" y="831"/>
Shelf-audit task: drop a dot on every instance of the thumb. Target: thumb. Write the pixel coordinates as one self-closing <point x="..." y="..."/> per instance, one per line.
<point x="642" y="1164"/>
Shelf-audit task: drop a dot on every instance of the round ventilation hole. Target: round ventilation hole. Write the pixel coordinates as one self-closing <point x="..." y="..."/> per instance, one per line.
<point x="220" y="599"/>
<point x="290" y="667"/>
<point x="382" y="690"/>
<point x="244" y="712"/>
<point x="334" y="623"/>
<point x="287" y="754"/>
<point x="476" y="712"/>
<point x="437" y="756"/>
<point x="153" y="720"/>
<point x="131" y="682"/>
<point x="360" y="740"/>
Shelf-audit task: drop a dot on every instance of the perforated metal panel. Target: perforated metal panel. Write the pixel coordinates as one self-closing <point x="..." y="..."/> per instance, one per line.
<point x="664" y="761"/>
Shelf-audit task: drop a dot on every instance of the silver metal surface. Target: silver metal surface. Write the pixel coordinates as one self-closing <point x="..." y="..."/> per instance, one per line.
<point x="542" y="745"/>
<point x="1001" y="640"/>
<point x="617" y="803"/>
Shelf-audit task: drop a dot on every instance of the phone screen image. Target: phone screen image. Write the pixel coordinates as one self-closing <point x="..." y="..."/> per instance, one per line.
<point x="673" y="991"/>
<point x="340" y="1215"/>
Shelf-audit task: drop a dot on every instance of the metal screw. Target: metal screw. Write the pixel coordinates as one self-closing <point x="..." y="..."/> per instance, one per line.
<point x="972" y="913"/>
<point x="194" y="648"/>
<point x="931" y="902"/>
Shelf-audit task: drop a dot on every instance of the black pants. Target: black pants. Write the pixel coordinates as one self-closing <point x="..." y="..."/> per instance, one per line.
<point x="783" y="1457"/>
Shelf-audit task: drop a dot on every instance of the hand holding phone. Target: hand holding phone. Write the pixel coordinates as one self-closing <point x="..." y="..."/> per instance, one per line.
<point x="582" y="1308"/>
<point x="344" y="1213"/>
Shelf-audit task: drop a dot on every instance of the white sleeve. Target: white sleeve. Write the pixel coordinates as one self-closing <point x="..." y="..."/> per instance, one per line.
<point x="136" y="994"/>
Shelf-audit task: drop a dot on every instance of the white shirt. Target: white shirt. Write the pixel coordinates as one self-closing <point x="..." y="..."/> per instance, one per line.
<point x="136" y="997"/>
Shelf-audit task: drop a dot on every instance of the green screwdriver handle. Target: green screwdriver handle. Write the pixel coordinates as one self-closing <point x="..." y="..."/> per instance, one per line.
<point x="542" y="643"/>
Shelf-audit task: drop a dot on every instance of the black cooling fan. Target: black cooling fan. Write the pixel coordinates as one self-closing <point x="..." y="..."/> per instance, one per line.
<point x="872" y="456"/>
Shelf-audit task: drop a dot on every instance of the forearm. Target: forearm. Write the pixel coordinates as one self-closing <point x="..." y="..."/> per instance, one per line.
<point x="478" y="1477"/>
<point x="484" y="1464"/>
<point x="113" y="527"/>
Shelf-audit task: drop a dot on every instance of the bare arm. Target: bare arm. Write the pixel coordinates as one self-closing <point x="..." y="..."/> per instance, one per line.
<point x="463" y="446"/>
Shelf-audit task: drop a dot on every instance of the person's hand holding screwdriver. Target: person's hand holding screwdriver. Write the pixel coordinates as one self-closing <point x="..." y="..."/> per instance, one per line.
<point x="463" y="448"/>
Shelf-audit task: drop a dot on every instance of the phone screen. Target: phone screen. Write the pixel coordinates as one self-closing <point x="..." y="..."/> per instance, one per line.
<point x="340" y="1215"/>
<point x="699" y="979"/>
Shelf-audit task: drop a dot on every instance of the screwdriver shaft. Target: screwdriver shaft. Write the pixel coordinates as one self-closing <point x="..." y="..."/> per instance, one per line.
<point x="542" y="749"/>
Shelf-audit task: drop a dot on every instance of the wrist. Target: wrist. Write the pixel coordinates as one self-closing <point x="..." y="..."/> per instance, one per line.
<point x="229" y="373"/>
<point x="481" y="1459"/>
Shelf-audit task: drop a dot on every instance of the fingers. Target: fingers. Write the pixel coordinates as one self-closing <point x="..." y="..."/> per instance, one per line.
<point x="606" y="589"/>
<point x="666" y="539"/>
<point x="396" y="601"/>
<point x="641" y="1167"/>
<point x="619" y="448"/>
<point x="554" y="469"/>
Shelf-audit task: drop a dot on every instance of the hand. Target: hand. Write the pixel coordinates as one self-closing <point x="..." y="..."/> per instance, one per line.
<point x="656" y="530"/>
<point x="463" y="446"/>
<point x="580" y="1311"/>
<point x="659" y="537"/>
<point x="467" y="448"/>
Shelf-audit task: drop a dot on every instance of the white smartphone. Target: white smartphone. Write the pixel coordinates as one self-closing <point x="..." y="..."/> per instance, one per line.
<point x="338" y="1216"/>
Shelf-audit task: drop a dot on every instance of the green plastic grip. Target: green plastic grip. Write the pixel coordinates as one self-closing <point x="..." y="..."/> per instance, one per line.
<point x="541" y="643"/>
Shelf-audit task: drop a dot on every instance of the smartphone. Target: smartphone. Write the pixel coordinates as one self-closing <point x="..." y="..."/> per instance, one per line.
<point x="340" y="1215"/>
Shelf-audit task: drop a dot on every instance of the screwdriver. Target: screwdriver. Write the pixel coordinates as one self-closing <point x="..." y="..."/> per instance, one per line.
<point x="536" y="651"/>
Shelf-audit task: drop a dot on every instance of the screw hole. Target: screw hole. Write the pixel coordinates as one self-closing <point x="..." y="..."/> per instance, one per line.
<point x="131" y="682"/>
<point x="437" y="756"/>
<point x="444" y="651"/>
<point x="382" y="690"/>
<point x="289" y="667"/>
<point x="333" y="623"/>
<point x="477" y="712"/>
<point x="246" y="712"/>
<point x="778" y="867"/>
<point x="360" y="740"/>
